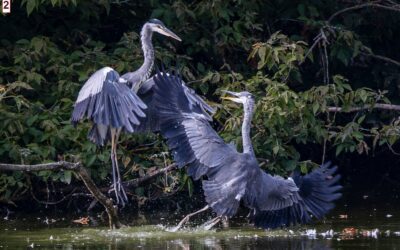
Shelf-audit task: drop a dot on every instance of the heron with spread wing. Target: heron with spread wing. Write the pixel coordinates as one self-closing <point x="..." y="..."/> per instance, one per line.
<point x="115" y="103"/>
<point x="232" y="176"/>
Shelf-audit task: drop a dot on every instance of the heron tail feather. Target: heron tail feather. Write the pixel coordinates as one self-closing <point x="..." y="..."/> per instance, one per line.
<point x="99" y="134"/>
<point x="318" y="190"/>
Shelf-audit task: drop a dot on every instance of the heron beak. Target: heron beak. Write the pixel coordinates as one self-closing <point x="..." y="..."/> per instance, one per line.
<point x="234" y="99"/>
<point x="166" y="32"/>
<point x="230" y="92"/>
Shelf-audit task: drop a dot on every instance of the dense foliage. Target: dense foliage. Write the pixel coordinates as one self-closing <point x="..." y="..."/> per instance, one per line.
<point x="301" y="59"/>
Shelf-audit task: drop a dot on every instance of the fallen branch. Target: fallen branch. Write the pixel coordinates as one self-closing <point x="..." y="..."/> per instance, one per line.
<point x="365" y="107"/>
<point x="39" y="167"/>
<point x="137" y="182"/>
<point x="84" y="176"/>
<point x="382" y="58"/>
<point x="361" y="6"/>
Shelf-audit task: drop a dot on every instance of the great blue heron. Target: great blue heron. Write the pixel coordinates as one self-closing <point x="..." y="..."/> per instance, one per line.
<point x="107" y="100"/>
<point x="233" y="177"/>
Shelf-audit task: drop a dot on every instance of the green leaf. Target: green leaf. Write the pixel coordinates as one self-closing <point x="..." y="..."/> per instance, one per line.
<point x="31" y="120"/>
<point x="290" y="165"/>
<point x="275" y="149"/>
<point x="360" y="119"/>
<point x="190" y="187"/>
<point x="67" y="176"/>
<point x="315" y="107"/>
<point x="91" y="160"/>
<point x="303" y="168"/>
<point x="18" y="84"/>
<point x="339" y="149"/>
<point x="37" y="44"/>
<point x="30" y="5"/>
<point x="301" y="9"/>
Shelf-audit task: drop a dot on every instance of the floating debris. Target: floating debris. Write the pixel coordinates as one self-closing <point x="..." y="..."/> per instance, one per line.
<point x="310" y="233"/>
<point x="370" y="233"/>
<point x="389" y="216"/>
<point x="328" y="234"/>
<point x="343" y="216"/>
<point x="82" y="221"/>
<point x="349" y="232"/>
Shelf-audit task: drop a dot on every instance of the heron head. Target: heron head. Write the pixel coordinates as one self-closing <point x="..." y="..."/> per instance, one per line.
<point x="243" y="97"/>
<point x="159" y="27"/>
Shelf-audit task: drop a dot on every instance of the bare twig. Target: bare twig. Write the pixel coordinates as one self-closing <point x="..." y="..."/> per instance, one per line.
<point x="139" y="181"/>
<point x="322" y="39"/>
<point x="361" y="6"/>
<point x="317" y="39"/>
<point x="391" y="149"/>
<point x="50" y="202"/>
<point x="382" y="106"/>
<point x="324" y="152"/>
<point x="382" y="58"/>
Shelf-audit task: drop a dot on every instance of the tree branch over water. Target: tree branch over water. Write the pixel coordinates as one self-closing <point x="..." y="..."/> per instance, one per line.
<point x="141" y="180"/>
<point x="382" y="106"/>
<point x="39" y="167"/>
<point x="365" y="5"/>
<point x="382" y="58"/>
<point x="77" y="167"/>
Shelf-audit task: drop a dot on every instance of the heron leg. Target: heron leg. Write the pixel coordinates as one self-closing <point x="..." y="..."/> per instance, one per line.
<point x="119" y="191"/>
<point x="114" y="174"/>
<point x="186" y="219"/>
<point x="225" y="222"/>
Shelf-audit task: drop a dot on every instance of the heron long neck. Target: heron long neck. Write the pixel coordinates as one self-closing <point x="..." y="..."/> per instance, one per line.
<point x="144" y="71"/>
<point x="248" y="115"/>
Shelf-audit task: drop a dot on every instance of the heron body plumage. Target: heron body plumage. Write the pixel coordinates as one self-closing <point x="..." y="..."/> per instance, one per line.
<point x="95" y="83"/>
<point x="136" y="79"/>
<point x="109" y="104"/>
<point x="114" y="104"/>
<point x="232" y="176"/>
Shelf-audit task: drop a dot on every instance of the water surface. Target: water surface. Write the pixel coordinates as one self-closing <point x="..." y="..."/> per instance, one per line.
<point x="362" y="229"/>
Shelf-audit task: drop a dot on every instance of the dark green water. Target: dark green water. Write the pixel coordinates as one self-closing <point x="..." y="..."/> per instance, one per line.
<point x="39" y="233"/>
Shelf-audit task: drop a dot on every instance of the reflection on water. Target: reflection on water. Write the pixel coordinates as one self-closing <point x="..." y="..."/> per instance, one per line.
<point x="262" y="243"/>
<point x="149" y="238"/>
<point x="359" y="230"/>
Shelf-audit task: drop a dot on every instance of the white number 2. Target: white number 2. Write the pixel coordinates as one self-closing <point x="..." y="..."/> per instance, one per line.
<point x="6" y="6"/>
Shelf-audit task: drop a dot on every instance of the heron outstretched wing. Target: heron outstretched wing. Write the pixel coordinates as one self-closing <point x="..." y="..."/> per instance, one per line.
<point x="317" y="190"/>
<point x="151" y="123"/>
<point x="267" y="192"/>
<point x="108" y="102"/>
<point x="195" y="143"/>
<point x="189" y="135"/>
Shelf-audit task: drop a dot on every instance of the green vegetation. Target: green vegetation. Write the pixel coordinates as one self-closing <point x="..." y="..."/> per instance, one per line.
<point x="301" y="59"/>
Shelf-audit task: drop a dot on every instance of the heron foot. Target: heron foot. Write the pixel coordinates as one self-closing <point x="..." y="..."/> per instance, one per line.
<point x="120" y="194"/>
<point x="186" y="219"/>
<point x="211" y="223"/>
